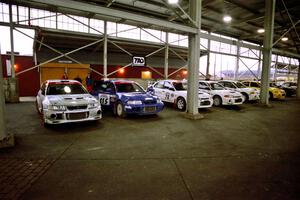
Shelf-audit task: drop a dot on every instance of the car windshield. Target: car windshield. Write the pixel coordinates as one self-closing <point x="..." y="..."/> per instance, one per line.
<point x="179" y="86"/>
<point x="240" y="85"/>
<point x="61" y="89"/>
<point x="129" y="87"/>
<point x="216" y="86"/>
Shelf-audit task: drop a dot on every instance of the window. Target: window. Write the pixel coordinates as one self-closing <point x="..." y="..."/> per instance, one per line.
<point x="159" y="84"/>
<point x="255" y="84"/>
<point x="62" y="89"/>
<point x="128" y="87"/>
<point x="179" y="86"/>
<point x="101" y="86"/>
<point x="228" y="84"/>
<point x="203" y="86"/>
<point x="168" y="85"/>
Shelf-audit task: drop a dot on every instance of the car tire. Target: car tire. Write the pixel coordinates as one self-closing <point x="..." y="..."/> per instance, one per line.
<point x="37" y="107"/>
<point x="271" y="97"/>
<point x="217" y="101"/>
<point x="181" y="104"/>
<point x="120" y="111"/>
<point x="245" y="97"/>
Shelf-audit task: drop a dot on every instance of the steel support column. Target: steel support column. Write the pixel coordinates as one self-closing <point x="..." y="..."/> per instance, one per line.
<point x="208" y="58"/>
<point x="298" y="82"/>
<point x="105" y="51"/>
<point x="267" y="50"/>
<point x="193" y="60"/>
<point x="237" y="64"/>
<point x="259" y="65"/>
<point x="166" y="66"/>
<point x="12" y="54"/>
<point x="275" y="69"/>
<point x="3" y="133"/>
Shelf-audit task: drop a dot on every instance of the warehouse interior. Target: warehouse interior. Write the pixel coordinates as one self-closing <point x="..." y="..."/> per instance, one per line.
<point x="250" y="151"/>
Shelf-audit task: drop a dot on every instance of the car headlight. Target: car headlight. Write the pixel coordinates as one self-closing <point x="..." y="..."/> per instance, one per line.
<point x="252" y="92"/>
<point x="93" y="105"/>
<point x="57" y="107"/>
<point x="134" y="102"/>
<point x="158" y="100"/>
<point x="228" y="96"/>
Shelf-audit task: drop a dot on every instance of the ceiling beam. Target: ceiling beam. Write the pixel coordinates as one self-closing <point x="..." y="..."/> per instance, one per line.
<point x="70" y="4"/>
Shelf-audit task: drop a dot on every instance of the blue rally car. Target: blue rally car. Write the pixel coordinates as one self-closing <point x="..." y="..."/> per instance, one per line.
<point x="126" y="97"/>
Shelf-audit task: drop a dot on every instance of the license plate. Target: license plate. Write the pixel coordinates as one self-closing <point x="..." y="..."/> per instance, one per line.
<point x="150" y="109"/>
<point x="74" y="116"/>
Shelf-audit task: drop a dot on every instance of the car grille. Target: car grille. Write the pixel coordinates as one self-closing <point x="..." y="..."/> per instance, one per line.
<point x="150" y="109"/>
<point x="238" y="100"/>
<point x="204" y="99"/>
<point x="150" y="101"/>
<point x="77" y="107"/>
<point x="205" y="103"/>
<point x="237" y="97"/>
<point x="74" y="116"/>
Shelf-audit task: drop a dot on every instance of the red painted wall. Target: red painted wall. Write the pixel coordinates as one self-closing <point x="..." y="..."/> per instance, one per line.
<point x="29" y="82"/>
<point x="136" y="72"/>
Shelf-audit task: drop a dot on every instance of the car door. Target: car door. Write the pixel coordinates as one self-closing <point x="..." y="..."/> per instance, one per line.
<point x="41" y="96"/>
<point x="106" y="93"/>
<point x="158" y="89"/>
<point x="168" y="92"/>
<point x="229" y="86"/>
<point x="204" y="87"/>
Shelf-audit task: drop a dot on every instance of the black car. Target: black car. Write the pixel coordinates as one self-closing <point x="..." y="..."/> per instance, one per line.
<point x="288" y="87"/>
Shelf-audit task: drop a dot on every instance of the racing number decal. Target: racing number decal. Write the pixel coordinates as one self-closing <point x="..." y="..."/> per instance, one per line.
<point x="104" y="99"/>
<point x="167" y="96"/>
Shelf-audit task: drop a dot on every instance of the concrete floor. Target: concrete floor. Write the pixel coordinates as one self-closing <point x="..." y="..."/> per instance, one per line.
<point x="249" y="152"/>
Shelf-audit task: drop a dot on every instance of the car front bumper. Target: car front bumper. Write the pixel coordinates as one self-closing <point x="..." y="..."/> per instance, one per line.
<point x="143" y="109"/>
<point x="60" y="117"/>
<point x="279" y="95"/>
<point x="233" y="101"/>
<point x="205" y="103"/>
<point x="253" y="97"/>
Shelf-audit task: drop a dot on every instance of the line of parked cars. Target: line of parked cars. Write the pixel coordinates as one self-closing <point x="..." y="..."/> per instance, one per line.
<point x="63" y="101"/>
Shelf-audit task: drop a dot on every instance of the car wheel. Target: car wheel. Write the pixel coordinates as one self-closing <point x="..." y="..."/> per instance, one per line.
<point x="245" y="97"/>
<point x="37" y="107"/>
<point x="271" y="96"/>
<point x="120" y="110"/>
<point x="181" y="104"/>
<point x="217" y="101"/>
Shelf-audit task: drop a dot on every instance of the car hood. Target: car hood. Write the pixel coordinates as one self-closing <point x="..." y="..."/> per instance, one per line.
<point x="247" y="90"/>
<point x="136" y="96"/>
<point x="78" y="99"/>
<point x="201" y="94"/>
<point x="273" y="89"/>
<point x="225" y="92"/>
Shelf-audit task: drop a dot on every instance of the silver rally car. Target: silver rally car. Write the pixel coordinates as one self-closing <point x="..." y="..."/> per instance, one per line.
<point x="63" y="101"/>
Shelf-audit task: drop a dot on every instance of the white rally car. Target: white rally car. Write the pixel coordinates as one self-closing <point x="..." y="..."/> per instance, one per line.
<point x="63" y="101"/>
<point x="221" y="96"/>
<point x="175" y="91"/>
<point x="249" y="94"/>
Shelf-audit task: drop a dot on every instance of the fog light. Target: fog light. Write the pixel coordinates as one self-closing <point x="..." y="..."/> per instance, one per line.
<point x="99" y="112"/>
<point x="53" y="116"/>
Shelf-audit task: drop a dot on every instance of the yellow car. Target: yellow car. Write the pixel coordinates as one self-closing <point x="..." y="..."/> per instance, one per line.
<point x="275" y="93"/>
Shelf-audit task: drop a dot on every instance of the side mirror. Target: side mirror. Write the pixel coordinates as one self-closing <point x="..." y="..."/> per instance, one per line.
<point x="172" y="89"/>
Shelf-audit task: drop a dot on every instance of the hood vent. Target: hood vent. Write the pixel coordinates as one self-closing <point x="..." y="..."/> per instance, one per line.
<point x="70" y="98"/>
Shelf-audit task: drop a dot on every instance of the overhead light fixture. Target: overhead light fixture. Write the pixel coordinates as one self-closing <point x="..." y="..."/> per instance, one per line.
<point x="284" y="39"/>
<point x="172" y="1"/>
<point x="227" y="18"/>
<point x="261" y="30"/>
